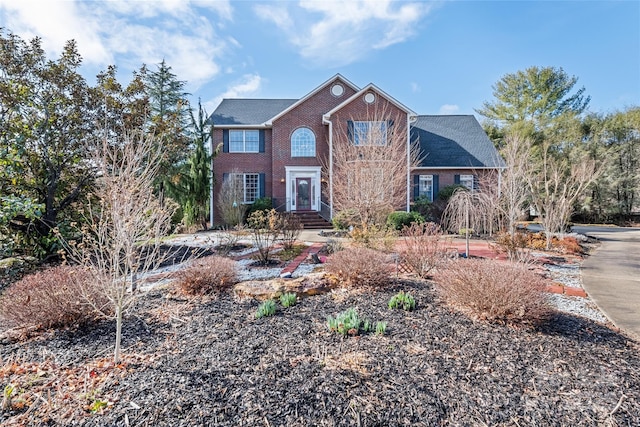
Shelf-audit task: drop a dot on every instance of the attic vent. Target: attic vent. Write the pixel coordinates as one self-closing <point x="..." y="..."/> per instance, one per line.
<point x="337" y="90"/>
<point x="369" y="98"/>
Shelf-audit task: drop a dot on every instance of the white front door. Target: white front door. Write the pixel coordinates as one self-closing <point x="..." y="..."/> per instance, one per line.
<point x="303" y="188"/>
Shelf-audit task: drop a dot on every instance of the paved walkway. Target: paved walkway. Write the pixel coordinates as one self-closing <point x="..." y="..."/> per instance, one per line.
<point x="611" y="276"/>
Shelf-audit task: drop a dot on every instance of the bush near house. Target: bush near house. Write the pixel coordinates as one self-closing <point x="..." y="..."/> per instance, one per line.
<point x="400" y="219"/>
<point x="495" y="291"/>
<point x="53" y="298"/>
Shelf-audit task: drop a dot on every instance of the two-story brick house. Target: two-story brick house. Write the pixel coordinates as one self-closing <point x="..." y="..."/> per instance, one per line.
<point x="283" y="148"/>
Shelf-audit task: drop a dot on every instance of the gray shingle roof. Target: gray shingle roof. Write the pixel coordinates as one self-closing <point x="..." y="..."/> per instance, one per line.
<point x="248" y="111"/>
<point x="454" y="141"/>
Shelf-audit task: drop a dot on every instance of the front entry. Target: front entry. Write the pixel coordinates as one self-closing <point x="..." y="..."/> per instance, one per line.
<point x="303" y="194"/>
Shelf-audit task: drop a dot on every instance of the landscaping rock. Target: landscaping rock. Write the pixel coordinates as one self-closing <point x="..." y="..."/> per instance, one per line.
<point x="311" y="284"/>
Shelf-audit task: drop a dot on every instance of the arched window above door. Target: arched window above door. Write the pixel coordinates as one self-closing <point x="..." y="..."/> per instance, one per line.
<point x="303" y="143"/>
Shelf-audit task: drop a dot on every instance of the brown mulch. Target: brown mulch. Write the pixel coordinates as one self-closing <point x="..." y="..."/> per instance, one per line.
<point x="210" y="362"/>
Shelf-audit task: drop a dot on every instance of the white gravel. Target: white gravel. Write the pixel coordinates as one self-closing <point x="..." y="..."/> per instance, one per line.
<point x="578" y="306"/>
<point x="255" y="273"/>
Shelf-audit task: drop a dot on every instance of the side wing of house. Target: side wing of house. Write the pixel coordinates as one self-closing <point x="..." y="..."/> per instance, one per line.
<point x="453" y="150"/>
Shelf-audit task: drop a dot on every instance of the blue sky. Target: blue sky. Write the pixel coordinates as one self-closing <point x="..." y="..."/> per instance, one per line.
<point x="434" y="57"/>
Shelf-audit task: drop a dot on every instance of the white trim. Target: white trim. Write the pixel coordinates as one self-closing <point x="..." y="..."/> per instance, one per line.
<point x="309" y="95"/>
<point x="312" y="172"/>
<point x="374" y="88"/>
<point x="234" y="127"/>
<point x="408" y="162"/>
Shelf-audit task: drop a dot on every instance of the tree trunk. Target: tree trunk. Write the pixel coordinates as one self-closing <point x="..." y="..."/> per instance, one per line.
<point x="116" y="354"/>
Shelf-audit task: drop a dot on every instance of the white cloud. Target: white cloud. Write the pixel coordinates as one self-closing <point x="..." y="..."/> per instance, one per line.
<point x="248" y="85"/>
<point x="128" y="33"/>
<point x="449" y="109"/>
<point x="336" y="33"/>
<point x="415" y="87"/>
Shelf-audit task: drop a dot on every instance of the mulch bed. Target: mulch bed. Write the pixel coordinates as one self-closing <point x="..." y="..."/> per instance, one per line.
<point x="210" y="362"/>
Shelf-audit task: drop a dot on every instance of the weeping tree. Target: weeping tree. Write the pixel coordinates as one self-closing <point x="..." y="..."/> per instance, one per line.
<point x="468" y="212"/>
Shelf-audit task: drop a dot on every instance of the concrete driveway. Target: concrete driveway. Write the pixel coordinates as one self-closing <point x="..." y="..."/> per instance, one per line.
<point x="611" y="275"/>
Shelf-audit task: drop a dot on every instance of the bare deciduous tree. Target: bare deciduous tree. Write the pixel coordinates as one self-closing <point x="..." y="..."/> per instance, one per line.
<point x="370" y="165"/>
<point x="469" y="211"/>
<point x="514" y="191"/>
<point x="121" y="235"/>
<point x="555" y="184"/>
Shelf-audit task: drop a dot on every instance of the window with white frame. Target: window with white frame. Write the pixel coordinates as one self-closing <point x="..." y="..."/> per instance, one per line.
<point x="244" y="141"/>
<point x="370" y="133"/>
<point x="250" y="184"/>
<point x="303" y="143"/>
<point x="467" y="181"/>
<point x="426" y="187"/>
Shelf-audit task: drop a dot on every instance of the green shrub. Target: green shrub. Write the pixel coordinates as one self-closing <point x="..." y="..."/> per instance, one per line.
<point x="446" y="193"/>
<point x="349" y="323"/>
<point x="266" y="309"/>
<point x="288" y="300"/>
<point x="402" y="301"/>
<point x="261" y="204"/>
<point x="398" y="220"/>
<point x="424" y="207"/>
<point x="381" y="328"/>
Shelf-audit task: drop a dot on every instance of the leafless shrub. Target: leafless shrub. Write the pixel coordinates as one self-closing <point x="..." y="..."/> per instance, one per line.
<point x="229" y="239"/>
<point x="515" y="246"/>
<point x="495" y="291"/>
<point x="359" y="267"/>
<point x="265" y="232"/>
<point x="230" y="199"/>
<point x="207" y="275"/>
<point x="380" y="238"/>
<point x="51" y="298"/>
<point x="290" y="228"/>
<point x="423" y="248"/>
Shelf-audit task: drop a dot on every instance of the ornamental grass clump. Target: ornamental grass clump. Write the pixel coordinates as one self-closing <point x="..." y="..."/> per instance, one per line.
<point x="207" y="275"/>
<point x="403" y="301"/>
<point x="288" y="300"/>
<point x="359" y="267"/>
<point x="503" y="292"/>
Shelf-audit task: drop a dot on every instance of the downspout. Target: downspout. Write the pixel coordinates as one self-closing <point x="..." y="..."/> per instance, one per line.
<point x="499" y="182"/>
<point x="408" y="162"/>
<point x="211" y="183"/>
<point x="326" y="121"/>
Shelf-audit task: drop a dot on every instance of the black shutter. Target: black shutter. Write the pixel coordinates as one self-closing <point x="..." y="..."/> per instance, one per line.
<point x="476" y="183"/>
<point x="416" y="187"/>
<point x="435" y="187"/>
<point x="225" y="141"/>
<point x="456" y="179"/>
<point x="261" y="185"/>
<point x="350" y="131"/>
<point x="225" y="177"/>
<point x="261" y="141"/>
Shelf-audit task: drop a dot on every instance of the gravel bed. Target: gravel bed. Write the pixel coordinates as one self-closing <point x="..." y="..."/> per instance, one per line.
<point x="578" y="306"/>
<point x="212" y="363"/>
<point x="255" y="273"/>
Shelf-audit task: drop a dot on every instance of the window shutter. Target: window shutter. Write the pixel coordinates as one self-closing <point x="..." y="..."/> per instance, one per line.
<point x="225" y="177"/>
<point x="225" y="141"/>
<point x="476" y="183"/>
<point x="416" y="187"/>
<point x="261" y="141"/>
<point x="456" y="179"/>
<point x="261" y="185"/>
<point x="435" y="187"/>
<point x="350" y="131"/>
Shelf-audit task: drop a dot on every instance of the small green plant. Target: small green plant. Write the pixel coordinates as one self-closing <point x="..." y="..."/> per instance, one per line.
<point x="402" y="301"/>
<point x="400" y="219"/>
<point x="349" y="323"/>
<point x="7" y="395"/>
<point x="98" y="405"/>
<point x="381" y="328"/>
<point x="266" y="309"/>
<point x="288" y="300"/>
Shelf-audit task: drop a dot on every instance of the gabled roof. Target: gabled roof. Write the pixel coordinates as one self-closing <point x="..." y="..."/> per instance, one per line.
<point x="313" y="92"/>
<point x="454" y="141"/>
<point x="361" y="92"/>
<point x="248" y="112"/>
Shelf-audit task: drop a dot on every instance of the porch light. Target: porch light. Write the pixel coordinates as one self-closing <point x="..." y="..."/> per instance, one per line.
<point x="282" y="180"/>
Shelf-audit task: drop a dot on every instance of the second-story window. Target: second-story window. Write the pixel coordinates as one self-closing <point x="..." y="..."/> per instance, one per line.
<point x="368" y="133"/>
<point x="303" y="143"/>
<point x="244" y="141"/>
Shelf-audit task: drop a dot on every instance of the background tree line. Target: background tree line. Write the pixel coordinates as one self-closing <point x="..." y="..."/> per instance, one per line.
<point x="51" y="118"/>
